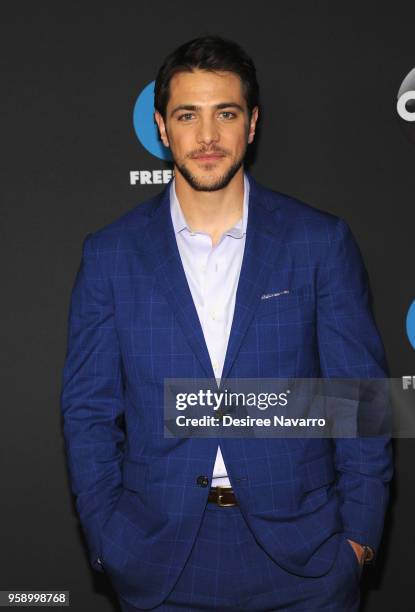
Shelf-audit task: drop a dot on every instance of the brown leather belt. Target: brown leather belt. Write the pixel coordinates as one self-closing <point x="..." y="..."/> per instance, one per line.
<point x="223" y="496"/>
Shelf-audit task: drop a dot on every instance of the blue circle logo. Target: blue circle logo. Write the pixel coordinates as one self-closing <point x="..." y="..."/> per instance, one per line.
<point x="410" y="324"/>
<point x="144" y="125"/>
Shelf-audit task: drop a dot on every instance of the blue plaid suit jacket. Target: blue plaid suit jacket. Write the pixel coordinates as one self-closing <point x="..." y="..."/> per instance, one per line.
<point x="133" y="323"/>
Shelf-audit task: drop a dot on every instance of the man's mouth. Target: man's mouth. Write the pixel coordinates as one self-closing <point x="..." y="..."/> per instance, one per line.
<point x="208" y="156"/>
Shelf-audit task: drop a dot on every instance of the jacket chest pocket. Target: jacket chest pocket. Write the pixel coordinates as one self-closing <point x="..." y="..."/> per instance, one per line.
<point x="276" y="303"/>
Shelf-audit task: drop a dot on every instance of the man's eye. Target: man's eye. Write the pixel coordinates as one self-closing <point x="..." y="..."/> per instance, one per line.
<point x="228" y="114"/>
<point x="185" y="116"/>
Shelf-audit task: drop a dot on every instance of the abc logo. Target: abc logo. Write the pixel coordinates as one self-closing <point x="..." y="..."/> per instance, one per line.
<point x="406" y="105"/>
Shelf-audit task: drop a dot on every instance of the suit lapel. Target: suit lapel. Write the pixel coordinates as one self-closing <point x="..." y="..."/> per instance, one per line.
<point x="163" y="260"/>
<point x="264" y="238"/>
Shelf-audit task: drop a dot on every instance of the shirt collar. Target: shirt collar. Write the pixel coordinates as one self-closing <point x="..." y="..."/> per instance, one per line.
<point x="180" y="223"/>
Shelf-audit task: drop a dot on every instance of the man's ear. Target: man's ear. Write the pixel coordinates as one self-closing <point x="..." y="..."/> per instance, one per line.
<point x="252" y="124"/>
<point x="162" y="128"/>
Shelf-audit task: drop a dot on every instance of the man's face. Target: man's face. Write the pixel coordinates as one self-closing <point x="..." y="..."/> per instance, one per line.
<point x="207" y="127"/>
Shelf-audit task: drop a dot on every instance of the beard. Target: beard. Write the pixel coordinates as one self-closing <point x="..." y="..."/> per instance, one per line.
<point x="220" y="182"/>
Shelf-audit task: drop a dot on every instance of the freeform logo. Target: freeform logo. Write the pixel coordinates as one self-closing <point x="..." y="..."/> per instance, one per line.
<point x="405" y="105"/>
<point x="145" y="126"/>
<point x="150" y="177"/>
<point x="147" y="133"/>
<point x="408" y="382"/>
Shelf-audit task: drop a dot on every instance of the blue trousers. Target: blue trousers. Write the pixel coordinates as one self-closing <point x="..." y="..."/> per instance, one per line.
<point x="228" y="571"/>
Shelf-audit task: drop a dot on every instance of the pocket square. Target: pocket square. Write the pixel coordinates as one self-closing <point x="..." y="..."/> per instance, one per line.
<point x="265" y="296"/>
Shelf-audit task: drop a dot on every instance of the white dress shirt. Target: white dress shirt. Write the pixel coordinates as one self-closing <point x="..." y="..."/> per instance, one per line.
<point x="212" y="274"/>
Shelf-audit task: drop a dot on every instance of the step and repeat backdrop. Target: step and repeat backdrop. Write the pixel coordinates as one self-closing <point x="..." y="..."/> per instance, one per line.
<point x="80" y="148"/>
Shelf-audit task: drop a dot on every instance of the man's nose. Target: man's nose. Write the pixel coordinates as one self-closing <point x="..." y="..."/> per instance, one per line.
<point x="208" y="131"/>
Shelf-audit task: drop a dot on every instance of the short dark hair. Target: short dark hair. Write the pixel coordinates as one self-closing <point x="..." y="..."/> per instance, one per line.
<point x="211" y="53"/>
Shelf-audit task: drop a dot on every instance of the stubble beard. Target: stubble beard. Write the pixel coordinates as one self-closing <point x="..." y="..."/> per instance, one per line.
<point x="221" y="182"/>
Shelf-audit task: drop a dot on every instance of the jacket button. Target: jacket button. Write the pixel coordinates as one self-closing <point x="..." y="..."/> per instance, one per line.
<point x="202" y="481"/>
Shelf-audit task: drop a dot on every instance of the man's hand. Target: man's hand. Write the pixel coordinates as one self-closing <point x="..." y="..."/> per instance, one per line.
<point x="358" y="549"/>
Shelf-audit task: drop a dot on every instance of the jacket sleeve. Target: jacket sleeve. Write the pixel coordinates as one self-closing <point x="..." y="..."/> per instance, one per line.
<point x="92" y="399"/>
<point x="350" y="347"/>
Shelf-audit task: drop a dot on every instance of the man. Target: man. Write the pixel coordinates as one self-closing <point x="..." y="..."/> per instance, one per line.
<point x="173" y="289"/>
